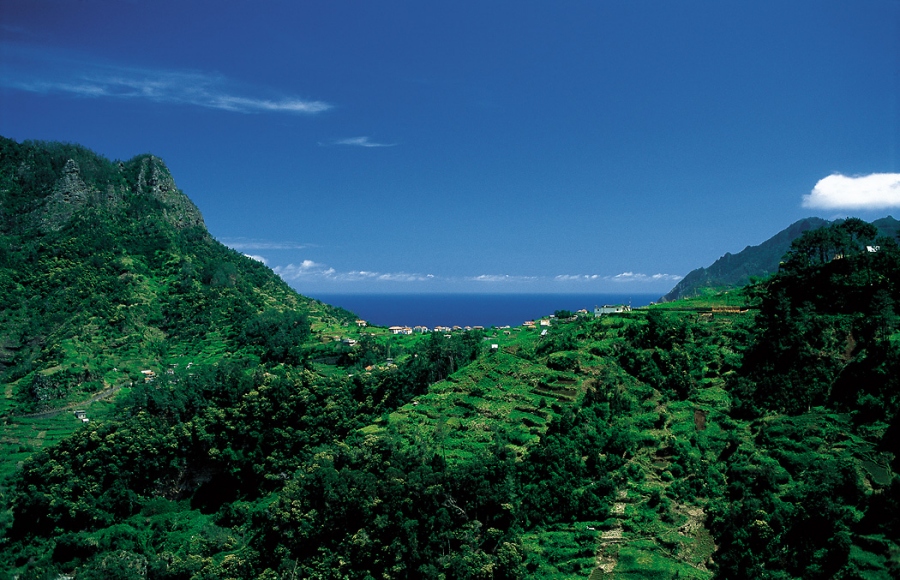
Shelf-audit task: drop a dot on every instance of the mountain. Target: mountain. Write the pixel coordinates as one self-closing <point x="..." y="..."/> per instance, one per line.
<point x="736" y="270"/>
<point x="235" y="429"/>
<point x="107" y="269"/>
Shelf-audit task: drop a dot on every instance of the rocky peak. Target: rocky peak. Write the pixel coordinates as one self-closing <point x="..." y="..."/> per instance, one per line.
<point x="154" y="179"/>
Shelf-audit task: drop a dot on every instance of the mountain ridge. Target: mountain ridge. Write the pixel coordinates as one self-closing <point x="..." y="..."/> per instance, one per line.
<point x="115" y="247"/>
<point x="255" y="442"/>
<point x="737" y="270"/>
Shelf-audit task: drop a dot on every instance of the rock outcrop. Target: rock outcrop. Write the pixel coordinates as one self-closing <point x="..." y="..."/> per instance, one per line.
<point x="142" y="176"/>
<point x="154" y="179"/>
<point x="69" y="194"/>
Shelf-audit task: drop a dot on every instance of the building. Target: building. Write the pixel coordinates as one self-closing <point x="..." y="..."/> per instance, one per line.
<point x="611" y="309"/>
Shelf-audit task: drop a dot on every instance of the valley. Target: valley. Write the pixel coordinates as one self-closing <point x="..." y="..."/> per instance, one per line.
<point x="238" y="429"/>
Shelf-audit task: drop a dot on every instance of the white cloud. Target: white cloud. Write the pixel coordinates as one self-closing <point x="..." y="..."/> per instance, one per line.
<point x="861" y="192"/>
<point x="39" y="70"/>
<point x="303" y="269"/>
<point x="635" y="277"/>
<point x="288" y="105"/>
<point x="359" y="142"/>
<point x="501" y="278"/>
<point x="403" y="277"/>
<point x="312" y="272"/>
<point x="577" y="277"/>
<point x="308" y="270"/>
<point x="257" y="258"/>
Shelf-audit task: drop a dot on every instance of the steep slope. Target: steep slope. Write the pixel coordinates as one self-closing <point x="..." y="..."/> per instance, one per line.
<point x="655" y="443"/>
<point x="107" y="269"/>
<point x="736" y="270"/>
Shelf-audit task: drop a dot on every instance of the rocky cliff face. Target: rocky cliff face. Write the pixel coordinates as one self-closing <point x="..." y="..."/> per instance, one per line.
<point x="69" y="194"/>
<point x="142" y="176"/>
<point x="155" y="180"/>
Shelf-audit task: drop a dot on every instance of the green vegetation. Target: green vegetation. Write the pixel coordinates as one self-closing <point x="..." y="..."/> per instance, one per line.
<point x="747" y="434"/>
<point x="734" y="271"/>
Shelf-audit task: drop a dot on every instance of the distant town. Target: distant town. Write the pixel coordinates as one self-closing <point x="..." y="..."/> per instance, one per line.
<point x="528" y="324"/>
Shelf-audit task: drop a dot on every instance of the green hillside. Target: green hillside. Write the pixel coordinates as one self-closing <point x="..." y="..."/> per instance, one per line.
<point x="107" y="274"/>
<point x="107" y="269"/>
<point x="755" y="437"/>
<point x="733" y="271"/>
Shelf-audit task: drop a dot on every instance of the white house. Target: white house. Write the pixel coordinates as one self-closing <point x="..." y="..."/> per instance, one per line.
<point x="610" y="309"/>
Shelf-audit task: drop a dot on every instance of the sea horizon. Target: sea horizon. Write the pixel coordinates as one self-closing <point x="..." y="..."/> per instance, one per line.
<point x="470" y="309"/>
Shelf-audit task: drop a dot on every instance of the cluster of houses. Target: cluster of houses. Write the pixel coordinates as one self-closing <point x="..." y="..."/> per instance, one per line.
<point x="424" y="329"/>
<point x="528" y="324"/>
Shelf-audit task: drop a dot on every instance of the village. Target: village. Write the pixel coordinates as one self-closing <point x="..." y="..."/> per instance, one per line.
<point x="527" y="325"/>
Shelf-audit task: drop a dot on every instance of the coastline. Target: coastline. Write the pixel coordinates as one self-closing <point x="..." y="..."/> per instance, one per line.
<point x="486" y="310"/>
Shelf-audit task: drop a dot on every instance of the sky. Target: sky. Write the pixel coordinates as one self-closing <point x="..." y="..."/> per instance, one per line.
<point x="491" y="147"/>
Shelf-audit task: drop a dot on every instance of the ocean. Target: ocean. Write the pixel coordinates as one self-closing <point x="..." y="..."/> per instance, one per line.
<point x="470" y="309"/>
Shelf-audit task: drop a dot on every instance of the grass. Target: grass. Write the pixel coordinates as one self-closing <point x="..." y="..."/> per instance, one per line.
<point x="561" y="551"/>
<point x="509" y="396"/>
<point x="497" y="398"/>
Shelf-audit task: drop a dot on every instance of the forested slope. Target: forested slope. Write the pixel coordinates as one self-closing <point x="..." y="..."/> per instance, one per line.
<point x="107" y="269"/>
<point x="651" y="444"/>
<point x="733" y="271"/>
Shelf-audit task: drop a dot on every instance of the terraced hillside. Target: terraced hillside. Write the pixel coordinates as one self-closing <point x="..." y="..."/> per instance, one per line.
<point x="237" y="430"/>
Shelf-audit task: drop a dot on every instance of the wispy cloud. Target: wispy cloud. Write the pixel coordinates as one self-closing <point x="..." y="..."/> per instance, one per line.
<point x="636" y="277"/>
<point x="303" y="269"/>
<point x="493" y="278"/>
<point x="860" y="192"/>
<point x="623" y="277"/>
<point x="257" y="258"/>
<point x="244" y="244"/>
<point x="578" y="277"/>
<point x="358" y="142"/>
<point x="310" y="270"/>
<point x="43" y="71"/>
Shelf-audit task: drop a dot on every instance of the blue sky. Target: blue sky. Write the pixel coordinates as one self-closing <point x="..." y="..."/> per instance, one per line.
<point x="477" y="146"/>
